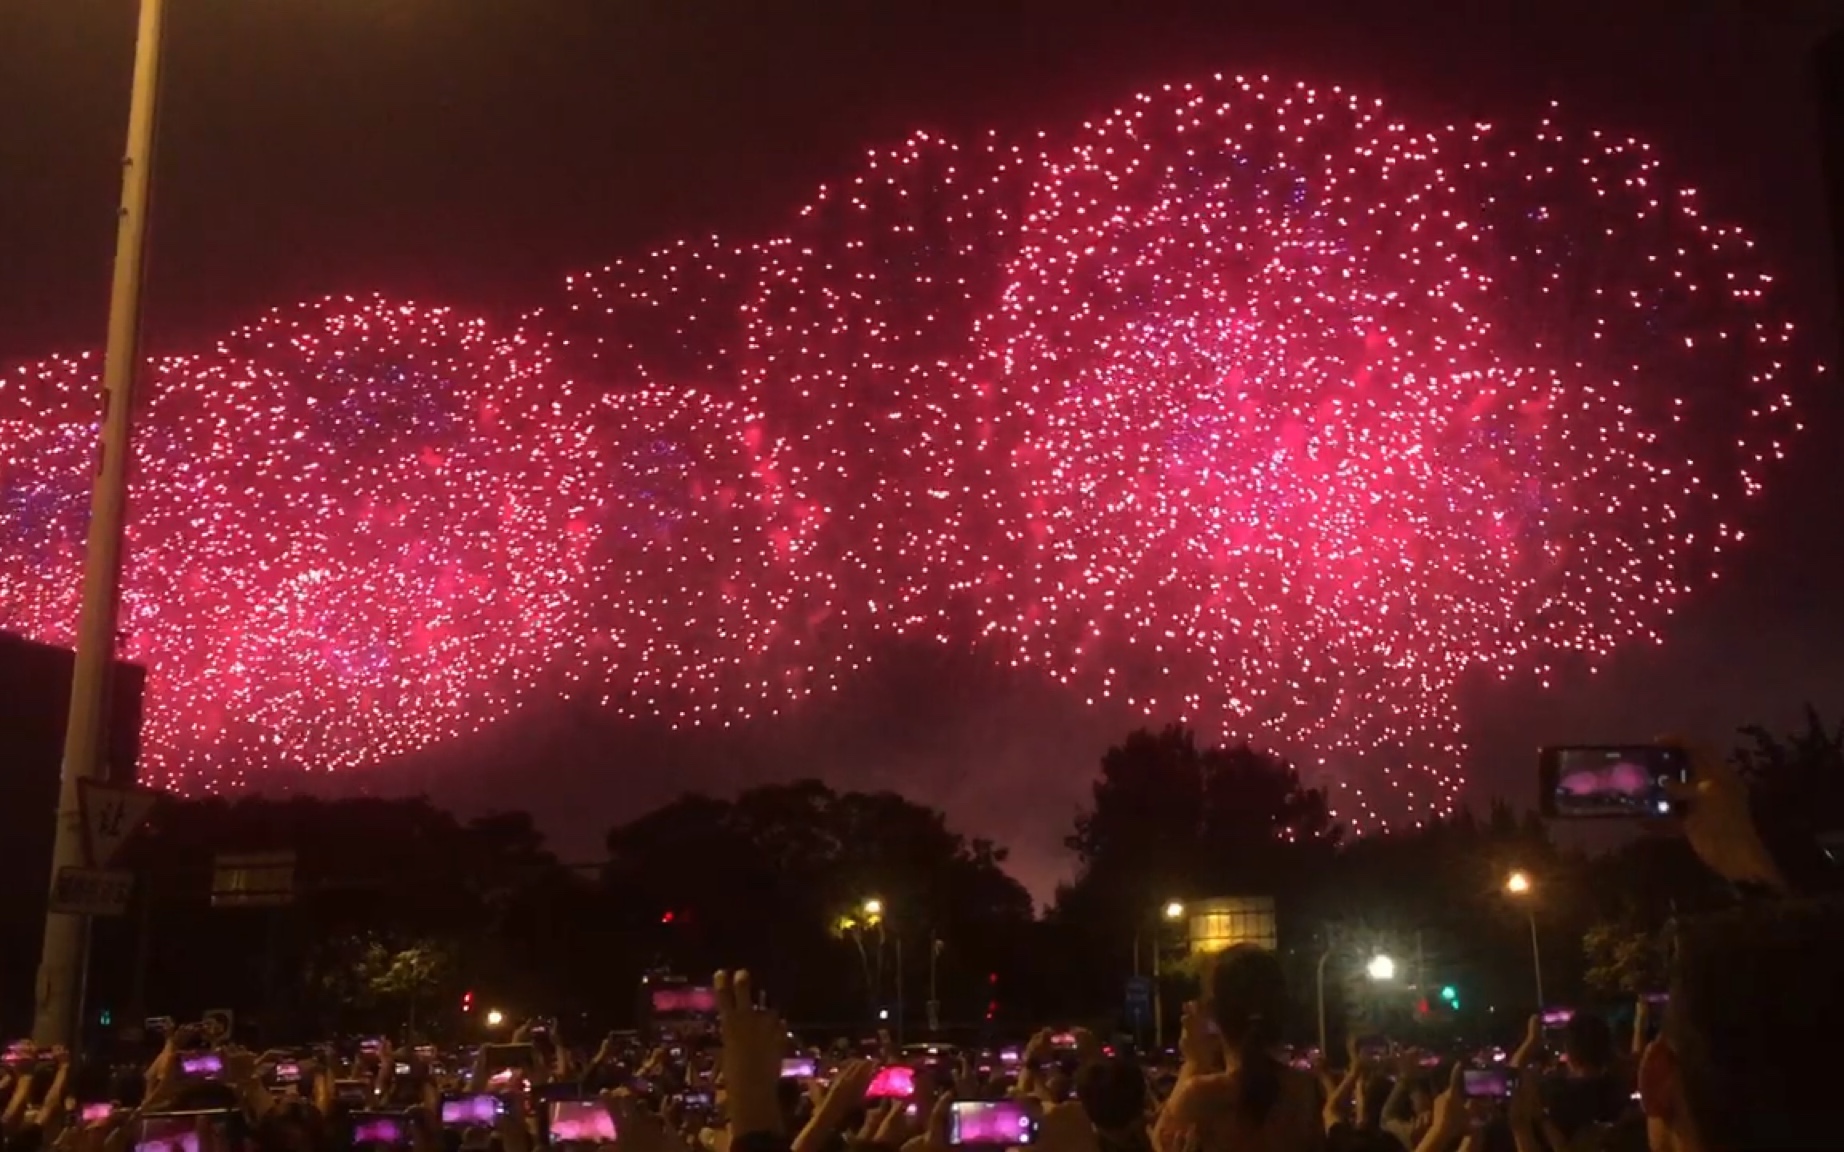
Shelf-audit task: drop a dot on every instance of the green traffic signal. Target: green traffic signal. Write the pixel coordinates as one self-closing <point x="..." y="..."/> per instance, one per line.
<point x="1451" y="994"/>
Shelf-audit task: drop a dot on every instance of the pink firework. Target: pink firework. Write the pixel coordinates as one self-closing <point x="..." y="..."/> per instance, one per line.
<point x="359" y="529"/>
<point x="1246" y="405"/>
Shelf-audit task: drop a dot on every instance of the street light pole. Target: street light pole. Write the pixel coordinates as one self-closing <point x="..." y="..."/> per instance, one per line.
<point x="1536" y="957"/>
<point x="1320" y="985"/>
<point x="65" y="953"/>
<point x="1518" y="884"/>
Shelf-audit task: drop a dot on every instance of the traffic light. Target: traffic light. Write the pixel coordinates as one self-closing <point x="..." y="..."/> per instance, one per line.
<point x="1452" y="996"/>
<point x="106" y="1018"/>
<point x="467" y="1001"/>
<point x="668" y="916"/>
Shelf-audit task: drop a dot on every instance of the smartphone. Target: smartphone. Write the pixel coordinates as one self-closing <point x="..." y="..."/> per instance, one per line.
<point x="95" y="1113"/>
<point x="995" y="1123"/>
<point x="179" y="1131"/>
<point x="1487" y="1083"/>
<point x="698" y="1101"/>
<point x="1610" y="780"/>
<point x="203" y="1065"/>
<point x="892" y="1082"/>
<point x="1557" y="1017"/>
<point x="371" y="1128"/>
<point x="684" y="1001"/>
<point x="580" y="1121"/>
<point x="287" y="1072"/>
<point x="1008" y="1056"/>
<point x="797" y="1068"/>
<point x="511" y="1056"/>
<point x="370" y="1046"/>
<point x="1063" y="1040"/>
<point x="351" y="1092"/>
<point x="501" y="1080"/>
<point x="473" y="1110"/>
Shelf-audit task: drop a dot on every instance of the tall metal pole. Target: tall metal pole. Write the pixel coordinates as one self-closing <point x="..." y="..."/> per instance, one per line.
<point x="1158" y="999"/>
<point x="1319" y="983"/>
<point x="1536" y="957"/>
<point x="85" y="736"/>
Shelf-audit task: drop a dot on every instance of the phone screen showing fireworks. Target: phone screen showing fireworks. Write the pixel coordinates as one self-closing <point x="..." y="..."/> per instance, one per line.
<point x="1487" y="1083"/>
<point x="684" y="1001"/>
<point x="202" y="1064"/>
<point x="992" y="1123"/>
<point x="1627" y="781"/>
<point x="480" y="1110"/>
<point x="797" y="1068"/>
<point x="179" y="1131"/>
<point x="287" y="1072"/>
<point x="581" y="1121"/>
<point x="371" y="1128"/>
<point x="96" y="1113"/>
<point x="1557" y="1017"/>
<point x="895" y="1082"/>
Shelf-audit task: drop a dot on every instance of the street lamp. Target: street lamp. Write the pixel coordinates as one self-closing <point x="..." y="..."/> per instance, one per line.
<point x="873" y="908"/>
<point x="495" y="1018"/>
<point x="1518" y="884"/>
<point x="1170" y="912"/>
<point x="1380" y="968"/>
<point x="64" y="956"/>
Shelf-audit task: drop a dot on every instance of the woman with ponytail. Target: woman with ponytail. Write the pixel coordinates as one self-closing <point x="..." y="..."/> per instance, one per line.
<point x="1233" y="1092"/>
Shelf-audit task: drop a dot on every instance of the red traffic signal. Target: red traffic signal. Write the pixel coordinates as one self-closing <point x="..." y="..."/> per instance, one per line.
<point x="668" y="916"/>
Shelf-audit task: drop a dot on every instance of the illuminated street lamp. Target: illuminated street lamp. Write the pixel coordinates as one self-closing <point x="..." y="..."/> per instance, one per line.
<point x="495" y="1018"/>
<point x="873" y="908"/>
<point x="1518" y="884"/>
<point x="1381" y="968"/>
<point x="1174" y="910"/>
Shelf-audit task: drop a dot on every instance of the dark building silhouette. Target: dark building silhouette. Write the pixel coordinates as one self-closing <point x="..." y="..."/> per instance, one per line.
<point x="34" y="704"/>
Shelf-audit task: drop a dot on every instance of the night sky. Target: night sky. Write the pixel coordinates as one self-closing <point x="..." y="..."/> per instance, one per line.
<point x="474" y="152"/>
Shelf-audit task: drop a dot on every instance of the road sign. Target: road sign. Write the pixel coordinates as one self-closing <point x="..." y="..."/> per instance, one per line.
<point x="111" y="814"/>
<point x="91" y="892"/>
<point x="253" y="880"/>
<point x="1139" y="990"/>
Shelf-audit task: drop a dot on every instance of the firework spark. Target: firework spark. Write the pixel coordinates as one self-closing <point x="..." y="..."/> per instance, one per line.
<point x="1247" y="405"/>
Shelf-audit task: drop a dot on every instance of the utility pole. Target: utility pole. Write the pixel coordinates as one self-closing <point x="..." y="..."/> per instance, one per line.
<point x="65" y="956"/>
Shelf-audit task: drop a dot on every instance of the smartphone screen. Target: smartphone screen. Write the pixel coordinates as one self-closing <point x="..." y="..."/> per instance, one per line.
<point x="698" y="1101"/>
<point x="179" y="1131"/>
<point x="95" y="1113"/>
<point x="287" y="1072"/>
<point x="580" y="1121"/>
<point x="1610" y="781"/>
<point x="350" y="1092"/>
<point x="474" y="1111"/>
<point x="1487" y="1083"/>
<point x="998" y="1123"/>
<point x="684" y="1001"/>
<point x="372" y="1128"/>
<point x="1557" y="1017"/>
<point x="894" y="1082"/>
<point x="797" y="1068"/>
<point x="201" y="1064"/>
